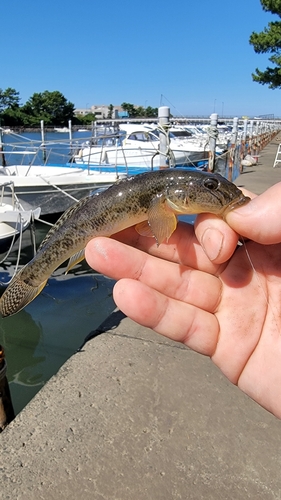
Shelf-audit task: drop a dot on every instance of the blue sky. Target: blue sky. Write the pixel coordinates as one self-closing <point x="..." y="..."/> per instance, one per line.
<point x="193" y="56"/>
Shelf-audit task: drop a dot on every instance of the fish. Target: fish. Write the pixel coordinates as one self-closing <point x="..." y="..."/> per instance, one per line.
<point x="149" y="201"/>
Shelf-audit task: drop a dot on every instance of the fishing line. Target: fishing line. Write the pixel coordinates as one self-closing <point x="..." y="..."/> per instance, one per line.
<point x="269" y="305"/>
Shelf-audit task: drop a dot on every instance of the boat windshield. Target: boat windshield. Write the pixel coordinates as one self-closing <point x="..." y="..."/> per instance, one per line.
<point x="181" y="133"/>
<point x="143" y="136"/>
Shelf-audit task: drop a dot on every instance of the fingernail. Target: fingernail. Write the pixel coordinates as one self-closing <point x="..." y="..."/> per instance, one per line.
<point x="212" y="242"/>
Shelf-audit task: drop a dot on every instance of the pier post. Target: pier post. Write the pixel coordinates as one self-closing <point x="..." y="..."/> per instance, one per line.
<point x="70" y="135"/>
<point x="243" y="144"/>
<point x="6" y="407"/>
<point x="164" y="121"/>
<point x="255" y="139"/>
<point x="213" y="132"/>
<point x="2" y="156"/>
<point x="251" y="131"/>
<point x="232" y="148"/>
<point x="43" y="139"/>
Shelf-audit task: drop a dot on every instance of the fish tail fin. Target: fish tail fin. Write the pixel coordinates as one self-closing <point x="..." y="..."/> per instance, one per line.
<point x="18" y="295"/>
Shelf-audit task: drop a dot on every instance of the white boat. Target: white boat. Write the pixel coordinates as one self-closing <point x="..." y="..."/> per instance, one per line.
<point x="198" y="137"/>
<point x="61" y="130"/>
<point x="14" y="220"/>
<point x="55" y="188"/>
<point x="137" y="145"/>
<point x="52" y="186"/>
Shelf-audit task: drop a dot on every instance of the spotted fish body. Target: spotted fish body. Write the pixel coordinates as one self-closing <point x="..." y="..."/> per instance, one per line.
<point x="151" y="201"/>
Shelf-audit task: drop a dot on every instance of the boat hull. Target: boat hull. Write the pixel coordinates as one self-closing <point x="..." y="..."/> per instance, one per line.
<point x="132" y="158"/>
<point x="55" y="193"/>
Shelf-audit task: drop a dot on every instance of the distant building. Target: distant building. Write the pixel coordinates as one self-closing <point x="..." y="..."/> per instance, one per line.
<point x="101" y="111"/>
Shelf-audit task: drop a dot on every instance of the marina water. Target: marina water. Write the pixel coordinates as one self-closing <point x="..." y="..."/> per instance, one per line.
<point x="41" y="337"/>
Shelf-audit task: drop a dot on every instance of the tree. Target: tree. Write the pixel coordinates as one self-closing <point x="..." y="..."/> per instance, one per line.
<point x="52" y="107"/>
<point x="9" y="98"/>
<point x="151" y="112"/>
<point x="130" y="108"/>
<point x="84" y="119"/>
<point x="269" y="41"/>
<point x="139" y="112"/>
<point x="110" y="111"/>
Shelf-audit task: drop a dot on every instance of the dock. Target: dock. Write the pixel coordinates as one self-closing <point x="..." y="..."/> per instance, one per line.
<point x="260" y="177"/>
<point x="133" y="415"/>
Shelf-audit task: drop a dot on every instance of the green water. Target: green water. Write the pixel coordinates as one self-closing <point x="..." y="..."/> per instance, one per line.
<point x="39" y="339"/>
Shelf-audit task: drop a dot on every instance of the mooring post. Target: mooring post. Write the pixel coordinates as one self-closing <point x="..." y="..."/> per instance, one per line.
<point x="6" y="407"/>
<point x="3" y="160"/>
<point x="251" y="131"/>
<point x="213" y="132"/>
<point x="70" y="135"/>
<point x="232" y="148"/>
<point x="256" y="138"/>
<point x="43" y="139"/>
<point x="164" y="122"/>
<point x="243" y="143"/>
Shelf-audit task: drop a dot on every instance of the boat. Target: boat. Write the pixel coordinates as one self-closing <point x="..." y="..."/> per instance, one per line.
<point x="61" y="130"/>
<point x="44" y="175"/>
<point x="198" y="137"/>
<point x="14" y="219"/>
<point x="137" y="146"/>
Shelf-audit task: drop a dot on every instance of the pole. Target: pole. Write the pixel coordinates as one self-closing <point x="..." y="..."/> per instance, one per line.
<point x="243" y="143"/>
<point x="163" y="118"/>
<point x="233" y="141"/>
<point x="70" y="135"/>
<point x="213" y="132"/>
<point x="2" y="156"/>
<point x="43" y="139"/>
<point x="251" y="131"/>
<point x="6" y="407"/>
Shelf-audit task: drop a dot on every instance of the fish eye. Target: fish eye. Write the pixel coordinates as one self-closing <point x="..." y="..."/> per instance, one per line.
<point x="211" y="183"/>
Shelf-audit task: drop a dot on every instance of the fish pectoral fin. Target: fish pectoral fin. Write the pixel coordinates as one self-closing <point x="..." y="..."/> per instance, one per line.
<point x="75" y="259"/>
<point x="161" y="219"/>
<point x="144" y="229"/>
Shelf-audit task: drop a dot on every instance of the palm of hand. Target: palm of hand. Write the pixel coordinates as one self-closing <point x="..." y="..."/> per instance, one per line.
<point x="249" y="316"/>
<point x="229" y="311"/>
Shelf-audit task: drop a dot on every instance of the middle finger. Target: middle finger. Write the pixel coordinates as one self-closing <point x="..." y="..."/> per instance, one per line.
<point x="177" y="281"/>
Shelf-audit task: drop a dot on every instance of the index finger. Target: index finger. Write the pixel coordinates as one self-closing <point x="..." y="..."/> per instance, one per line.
<point x="183" y="246"/>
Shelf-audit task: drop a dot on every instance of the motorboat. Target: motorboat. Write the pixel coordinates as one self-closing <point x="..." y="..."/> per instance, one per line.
<point x="53" y="187"/>
<point x="43" y="174"/>
<point x="138" y="146"/>
<point x="14" y="219"/>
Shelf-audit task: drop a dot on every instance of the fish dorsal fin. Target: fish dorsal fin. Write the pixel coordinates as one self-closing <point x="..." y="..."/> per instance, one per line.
<point x="161" y="219"/>
<point x="75" y="259"/>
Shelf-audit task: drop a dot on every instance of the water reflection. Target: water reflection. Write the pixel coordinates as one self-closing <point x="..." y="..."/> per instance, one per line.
<point x="40" y="338"/>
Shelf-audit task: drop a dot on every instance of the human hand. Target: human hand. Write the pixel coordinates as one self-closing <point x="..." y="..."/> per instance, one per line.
<point x="227" y="306"/>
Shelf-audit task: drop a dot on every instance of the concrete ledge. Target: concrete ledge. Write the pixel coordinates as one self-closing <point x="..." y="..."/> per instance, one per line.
<point x="260" y="177"/>
<point x="135" y="416"/>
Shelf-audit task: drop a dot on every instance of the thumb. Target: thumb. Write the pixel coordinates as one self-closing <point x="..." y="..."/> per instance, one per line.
<point x="260" y="219"/>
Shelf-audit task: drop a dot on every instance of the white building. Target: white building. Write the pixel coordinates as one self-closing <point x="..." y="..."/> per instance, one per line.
<point x="101" y="111"/>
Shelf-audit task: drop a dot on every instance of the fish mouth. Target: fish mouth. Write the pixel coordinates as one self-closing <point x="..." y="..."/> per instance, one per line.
<point x="242" y="200"/>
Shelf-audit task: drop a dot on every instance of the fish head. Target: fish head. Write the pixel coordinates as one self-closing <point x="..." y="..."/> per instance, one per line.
<point x="207" y="193"/>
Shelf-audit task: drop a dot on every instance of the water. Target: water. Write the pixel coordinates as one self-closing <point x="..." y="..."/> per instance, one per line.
<point x="40" y="338"/>
<point x="58" y="150"/>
